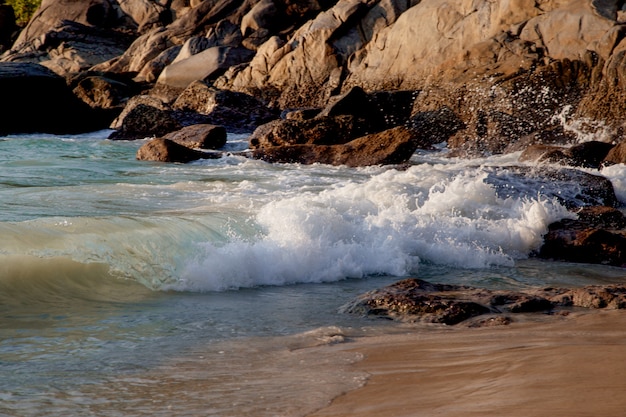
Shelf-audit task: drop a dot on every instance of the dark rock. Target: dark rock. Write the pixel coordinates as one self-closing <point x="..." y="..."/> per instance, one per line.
<point x="587" y="155"/>
<point x="571" y="187"/>
<point x="328" y="130"/>
<point x="435" y="126"/>
<point x="393" y="146"/>
<point x="146" y="121"/>
<point x="104" y="90"/>
<point x="597" y="237"/>
<point x="35" y="99"/>
<point x="238" y="112"/>
<point x="202" y="136"/>
<point x="415" y="300"/>
<point x="165" y="150"/>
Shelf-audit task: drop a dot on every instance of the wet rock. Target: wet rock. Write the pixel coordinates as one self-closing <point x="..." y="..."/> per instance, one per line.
<point x="393" y="146"/>
<point x="165" y="150"/>
<point x="571" y="187"/>
<point x="415" y="300"/>
<point x="617" y="155"/>
<point x="587" y="155"/>
<point x="598" y="236"/>
<point x="202" y="136"/>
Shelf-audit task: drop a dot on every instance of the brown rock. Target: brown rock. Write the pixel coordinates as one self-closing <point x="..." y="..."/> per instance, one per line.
<point x="202" y="136"/>
<point x="238" y="112"/>
<point x="393" y="146"/>
<point x="327" y="130"/>
<point x="415" y="300"/>
<point x="588" y="154"/>
<point x="165" y="150"/>
<point x="617" y="155"/>
<point x="145" y="121"/>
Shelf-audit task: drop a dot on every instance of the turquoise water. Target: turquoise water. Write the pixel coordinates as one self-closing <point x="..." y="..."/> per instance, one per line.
<point x="135" y="288"/>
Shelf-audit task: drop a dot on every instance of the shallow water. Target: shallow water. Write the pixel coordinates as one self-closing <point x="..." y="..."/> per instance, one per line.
<point x="135" y="288"/>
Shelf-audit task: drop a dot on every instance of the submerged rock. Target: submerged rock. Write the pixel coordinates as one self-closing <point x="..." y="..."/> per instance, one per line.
<point x="415" y="300"/>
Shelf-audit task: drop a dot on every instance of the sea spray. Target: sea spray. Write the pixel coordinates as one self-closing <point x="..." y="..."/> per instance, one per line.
<point x="386" y="225"/>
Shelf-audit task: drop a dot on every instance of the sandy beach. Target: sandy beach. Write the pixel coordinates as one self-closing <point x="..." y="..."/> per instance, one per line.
<point x="561" y="366"/>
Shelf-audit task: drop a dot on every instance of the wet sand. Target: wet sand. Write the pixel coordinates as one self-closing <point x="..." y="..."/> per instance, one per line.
<point x="562" y="366"/>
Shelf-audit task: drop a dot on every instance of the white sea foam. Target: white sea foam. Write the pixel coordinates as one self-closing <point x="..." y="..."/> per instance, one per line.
<point x="385" y="225"/>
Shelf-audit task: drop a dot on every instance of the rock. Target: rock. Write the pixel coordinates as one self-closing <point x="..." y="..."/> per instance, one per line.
<point x="238" y="112"/>
<point x="309" y="68"/>
<point x="144" y="121"/>
<point x="393" y="146"/>
<point x="553" y="135"/>
<point x="202" y="136"/>
<point x="206" y="65"/>
<point x="69" y="36"/>
<point x="434" y="127"/>
<point x="35" y="99"/>
<point x="587" y="155"/>
<point x="104" y="90"/>
<point x="598" y="236"/>
<point x="325" y="130"/>
<point x="165" y="150"/>
<point x="617" y="155"/>
<point x="571" y="187"/>
<point x="415" y="300"/>
<point x="142" y="99"/>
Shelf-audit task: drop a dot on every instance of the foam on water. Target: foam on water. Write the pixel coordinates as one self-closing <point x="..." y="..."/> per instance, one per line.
<point x="386" y="225"/>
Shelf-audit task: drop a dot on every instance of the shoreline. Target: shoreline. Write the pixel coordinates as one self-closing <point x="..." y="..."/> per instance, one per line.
<point x="562" y="366"/>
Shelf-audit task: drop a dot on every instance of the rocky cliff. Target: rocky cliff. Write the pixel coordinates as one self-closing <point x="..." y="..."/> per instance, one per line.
<point x="504" y="69"/>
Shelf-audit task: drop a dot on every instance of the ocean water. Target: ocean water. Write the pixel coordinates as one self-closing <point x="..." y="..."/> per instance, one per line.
<point x="132" y="288"/>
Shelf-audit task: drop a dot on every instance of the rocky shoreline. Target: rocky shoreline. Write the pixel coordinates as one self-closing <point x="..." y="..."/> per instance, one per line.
<point x="347" y="82"/>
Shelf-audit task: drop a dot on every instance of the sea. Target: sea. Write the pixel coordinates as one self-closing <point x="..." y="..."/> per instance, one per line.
<point x="135" y="288"/>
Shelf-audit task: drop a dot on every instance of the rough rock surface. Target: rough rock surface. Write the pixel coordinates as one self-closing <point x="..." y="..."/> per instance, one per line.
<point x="202" y="136"/>
<point x="392" y="146"/>
<point x="165" y="150"/>
<point x="597" y="236"/>
<point x="415" y="300"/>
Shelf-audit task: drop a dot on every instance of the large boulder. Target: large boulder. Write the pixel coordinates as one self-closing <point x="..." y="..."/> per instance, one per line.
<point x="144" y="121"/>
<point x="590" y="154"/>
<point x="598" y="236"/>
<point x="69" y="36"/>
<point x="165" y="150"/>
<point x="310" y="67"/>
<point x="392" y="146"/>
<point x="35" y="99"/>
<point x="202" y="136"/>
<point x="206" y="65"/>
<point x="238" y="112"/>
